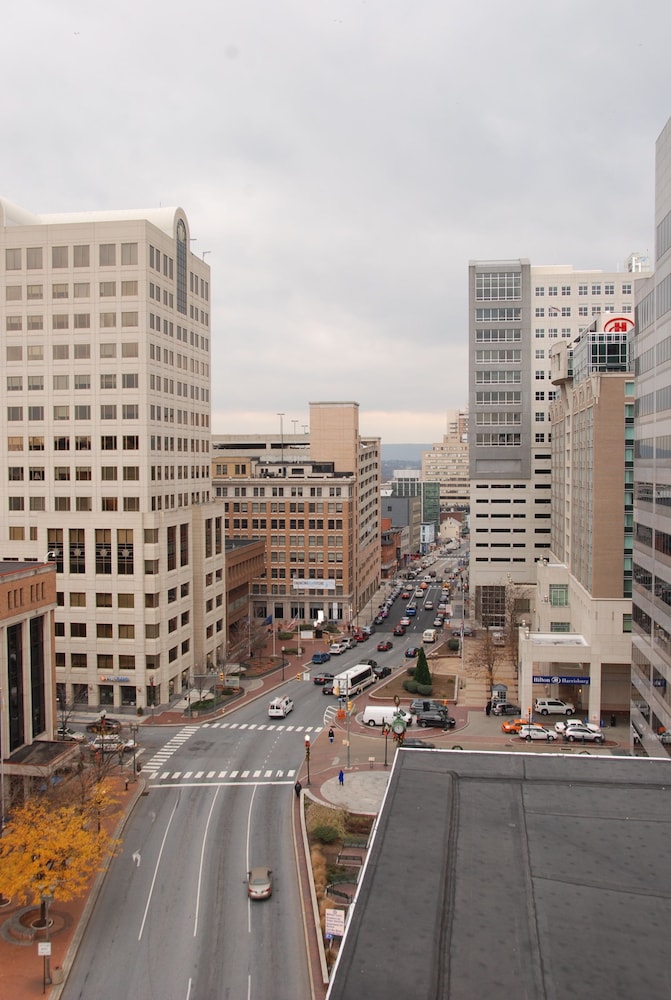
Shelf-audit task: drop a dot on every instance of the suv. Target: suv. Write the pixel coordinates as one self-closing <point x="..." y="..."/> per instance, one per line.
<point x="553" y="706"/>
<point x="506" y="708"/>
<point x="436" y="717"/>
<point x="321" y="657"/>
<point x="426" y="705"/>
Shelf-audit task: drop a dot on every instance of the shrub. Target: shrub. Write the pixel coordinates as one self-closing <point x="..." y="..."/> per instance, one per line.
<point x="323" y="818"/>
<point x="410" y="686"/>
<point x="326" y="834"/>
<point x="453" y="644"/>
<point x="410" y="671"/>
<point x="424" y="689"/>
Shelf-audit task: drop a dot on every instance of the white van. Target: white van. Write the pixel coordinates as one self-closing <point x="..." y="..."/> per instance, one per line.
<point x="378" y="715"/>
<point x="429" y="635"/>
<point x="279" y="708"/>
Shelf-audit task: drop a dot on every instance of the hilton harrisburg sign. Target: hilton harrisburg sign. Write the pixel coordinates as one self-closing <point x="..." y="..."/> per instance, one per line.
<point x="558" y="679"/>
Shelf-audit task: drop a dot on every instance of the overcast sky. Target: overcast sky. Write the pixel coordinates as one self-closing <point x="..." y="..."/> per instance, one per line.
<point x="340" y="162"/>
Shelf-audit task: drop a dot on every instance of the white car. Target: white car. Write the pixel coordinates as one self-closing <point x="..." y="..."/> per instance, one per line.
<point x="336" y="648"/>
<point x="532" y="731"/>
<point x="563" y="727"/>
<point x="69" y="735"/>
<point x="405" y="621"/>
<point x="585" y="733"/>
<point x="553" y="706"/>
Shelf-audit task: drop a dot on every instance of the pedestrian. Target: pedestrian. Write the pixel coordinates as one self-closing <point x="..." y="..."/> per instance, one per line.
<point x="488" y="707"/>
<point x="297" y="788"/>
<point x="341" y="777"/>
<point x="331" y="735"/>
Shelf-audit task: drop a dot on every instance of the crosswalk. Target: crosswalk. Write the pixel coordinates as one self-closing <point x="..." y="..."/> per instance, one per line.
<point x="157" y="768"/>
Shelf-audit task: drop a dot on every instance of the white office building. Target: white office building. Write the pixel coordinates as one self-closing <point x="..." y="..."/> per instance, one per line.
<point x="105" y="443"/>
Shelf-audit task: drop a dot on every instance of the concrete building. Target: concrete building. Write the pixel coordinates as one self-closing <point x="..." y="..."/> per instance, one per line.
<point x="578" y="643"/>
<point x="517" y="312"/>
<point x="448" y="464"/>
<point x="315" y="500"/>
<point x="651" y="666"/>
<point x="105" y="327"/>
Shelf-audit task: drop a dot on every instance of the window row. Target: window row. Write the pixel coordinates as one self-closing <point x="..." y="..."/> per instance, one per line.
<point x="82" y="442"/>
<point x="33" y="258"/>
<point x="78" y="381"/>
<point x="584" y="289"/>
<point x="64" y="504"/>
<point x="61" y="352"/>
<point x="76" y="290"/>
<point x="108" y="411"/>
<point x="82" y="473"/>
<point x="80" y="321"/>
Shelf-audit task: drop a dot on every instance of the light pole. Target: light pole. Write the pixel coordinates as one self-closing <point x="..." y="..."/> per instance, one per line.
<point x="385" y="731"/>
<point x="133" y="731"/>
<point x="283" y="662"/>
<point x="307" y="754"/>
<point x="46" y="898"/>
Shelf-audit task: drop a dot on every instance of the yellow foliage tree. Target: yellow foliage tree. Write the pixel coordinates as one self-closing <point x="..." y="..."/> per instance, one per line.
<point x="52" y="847"/>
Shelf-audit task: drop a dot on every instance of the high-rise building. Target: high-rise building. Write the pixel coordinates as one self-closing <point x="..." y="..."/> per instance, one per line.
<point x="105" y="439"/>
<point x="651" y="655"/>
<point x="517" y="311"/>
<point x="315" y="500"/>
<point x="447" y="462"/>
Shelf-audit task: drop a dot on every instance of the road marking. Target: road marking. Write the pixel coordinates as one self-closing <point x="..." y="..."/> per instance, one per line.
<point x="268" y="774"/>
<point x="210" y="774"/>
<point x="234" y="774"/>
<point x="245" y="774"/>
<point x="199" y="774"/>
<point x="279" y="777"/>
<point x="222" y="774"/>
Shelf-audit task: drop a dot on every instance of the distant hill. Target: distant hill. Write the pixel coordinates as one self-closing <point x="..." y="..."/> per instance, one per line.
<point x="407" y="455"/>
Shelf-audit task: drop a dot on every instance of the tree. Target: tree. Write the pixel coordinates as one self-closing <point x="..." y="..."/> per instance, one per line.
<point x="52" y="847"/>
<point x="422" y="674"/>
<point x="490" y="656"/>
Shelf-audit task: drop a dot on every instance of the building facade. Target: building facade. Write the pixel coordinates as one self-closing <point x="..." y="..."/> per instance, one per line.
<point x="651" y="657"/>
<point x="314" y="499"/>
<point x="517" y="312"/>
<point x="447" y="462"/>
<point x="105" y="435"/>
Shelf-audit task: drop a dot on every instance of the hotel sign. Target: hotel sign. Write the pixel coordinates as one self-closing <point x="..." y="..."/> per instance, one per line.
<point x="319" y="584"/>
<point x="559" y="679"/>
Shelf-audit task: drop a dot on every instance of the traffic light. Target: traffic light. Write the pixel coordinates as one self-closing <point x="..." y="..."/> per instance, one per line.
<point x="221" y="675"/>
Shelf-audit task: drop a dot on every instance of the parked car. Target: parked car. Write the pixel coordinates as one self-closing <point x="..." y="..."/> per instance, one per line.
<point x="553" y="706"/>
<point x="69" y="735"/>
<point x="381" y="671"/>
<point x="349" y="642"/>
<point x="426" y="705"/>
<point x="322" y="677"/>
<point x="414" y="742"/>
<point x="586" y="734"/>
<point x="467" y="631"/>
<point x="368" y="629"/>
<point x="336" y="648"/>
<point x="260" y="883"/>
<point x="535" y="732"/>
<point x="562" y="727"/>
<point x="322" y="657"/>
<point x="104" y="725"/>
<point x="438" y="621"/>
<point x="384" y="646"/>
<point x="411" y="652"/>
<point x="436" y="717"/>
<point x="379" y="620"/>
<point x="398" y="630"/>
<point x="106" y="744"/>
<point x="506" y="708"/>
<point x="513" y="725"/>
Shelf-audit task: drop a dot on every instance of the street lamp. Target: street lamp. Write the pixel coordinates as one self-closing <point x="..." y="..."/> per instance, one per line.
<point x="385" y="732"/>
<point x="283" y="648"/>
<point x="46" y="898"/>
<point x="307" y="754"/>
<point x="133" y="731"/>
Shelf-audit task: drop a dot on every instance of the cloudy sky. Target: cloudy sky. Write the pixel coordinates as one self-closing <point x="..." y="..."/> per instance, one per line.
<point x="340" y="162"/>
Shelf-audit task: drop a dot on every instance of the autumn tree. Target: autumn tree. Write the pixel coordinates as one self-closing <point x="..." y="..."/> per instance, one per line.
<point x="52" y="847"/>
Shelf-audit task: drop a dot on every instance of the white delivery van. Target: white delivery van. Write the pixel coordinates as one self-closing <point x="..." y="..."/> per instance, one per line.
<point x="279" y="708"/>
<point x="429" y="635"/>
<point x="378" y="715"/>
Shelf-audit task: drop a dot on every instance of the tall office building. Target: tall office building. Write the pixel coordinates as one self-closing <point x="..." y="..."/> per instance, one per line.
<point x="651" y="656"/>
<point x="105" y="443"/>
<point x="315" y="500"/>
<point x="517" y="311"/>
<point x="447" y="462"/>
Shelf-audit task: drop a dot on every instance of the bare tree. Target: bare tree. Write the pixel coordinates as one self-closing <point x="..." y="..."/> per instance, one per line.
<point x="517" y="610"/>
<point x="491" y="653"/>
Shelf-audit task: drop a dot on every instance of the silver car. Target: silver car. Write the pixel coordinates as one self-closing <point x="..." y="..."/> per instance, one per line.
<point x="535" y="732"/>
<point x="586" y="734"/>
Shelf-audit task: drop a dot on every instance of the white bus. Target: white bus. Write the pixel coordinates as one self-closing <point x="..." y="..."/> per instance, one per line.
<point x="354" y="680"/>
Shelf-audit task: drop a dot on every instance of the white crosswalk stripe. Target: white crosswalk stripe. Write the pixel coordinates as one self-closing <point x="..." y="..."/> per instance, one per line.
<point x="250" y="777"/>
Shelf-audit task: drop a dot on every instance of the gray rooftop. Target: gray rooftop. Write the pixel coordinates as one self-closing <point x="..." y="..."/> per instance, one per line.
<point x="524" y="875"/>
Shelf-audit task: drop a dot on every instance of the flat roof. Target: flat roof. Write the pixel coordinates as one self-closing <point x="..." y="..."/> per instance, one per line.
<point x="525" y="875"/>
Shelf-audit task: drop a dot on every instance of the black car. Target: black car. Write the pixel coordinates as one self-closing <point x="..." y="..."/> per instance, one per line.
<point x="506" y="708"/>
<point x="104" y="725"/>
<point x="327" y="687"/>
<point x="436" y="717"/>
<point x="381" y="671"/>
<point x="413" y="741"/>
<point x="323" y="677"/>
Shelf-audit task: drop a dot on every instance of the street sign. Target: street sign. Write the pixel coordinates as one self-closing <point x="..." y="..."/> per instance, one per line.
<point x="43" y="948"/>
<point x="335" y="923"/>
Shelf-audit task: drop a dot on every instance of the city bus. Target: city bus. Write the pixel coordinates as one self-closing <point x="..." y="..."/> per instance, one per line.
<point x="354" y="680"/>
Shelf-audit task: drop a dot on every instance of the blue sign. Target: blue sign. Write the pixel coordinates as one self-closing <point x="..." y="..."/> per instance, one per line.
<point x="559" y="679"/>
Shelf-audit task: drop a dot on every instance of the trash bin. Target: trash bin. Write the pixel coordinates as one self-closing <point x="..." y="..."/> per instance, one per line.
<point x="613" y="720"/>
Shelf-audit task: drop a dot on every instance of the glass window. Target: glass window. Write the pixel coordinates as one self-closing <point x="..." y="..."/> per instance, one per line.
<point x="13" y="259"/>
<point x="35" y="292"/>
<point x="59" y="256"/>
<point x="61" y="381"/>
<point x="129" y="253"/>
<point x="34" y="258"/>
<point x="107" y="256"/>
<point x="35" y="352"/>
<point x="107" y="288"/>
<point x="81" y="256"/>
<point x="82" y="321"/>
<point x="81" y="289"/>
<point x="107" y="320"/>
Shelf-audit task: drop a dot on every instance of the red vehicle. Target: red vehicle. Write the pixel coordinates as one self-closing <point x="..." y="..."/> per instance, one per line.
<point x="399" y="630"/>
<point x="383" y="646"/>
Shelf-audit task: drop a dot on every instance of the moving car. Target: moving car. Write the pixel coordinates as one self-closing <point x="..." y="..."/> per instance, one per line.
<point x="381" y="671"/>
<point x="260" y="883"/>
<point x="436" y="717"/>
<point x="384" y="646"/>
<point x="411" y="652"/>
<point x="328" y="687"/>
<point x="405" y="621"/>
<point x="414" y="741"/>
<point x="513" y="725"/>
<point x="428" y="605"/>
<point x="69" y="735"/>
<point x="322" y="677"/>
<point x="506" y="708"/>
<point x="586" y="734"/>
<point x="104" y="725"/>
<point x="536" y="732"/>
<point x="106" y="744"/>
<point x="553" y="706"/>
<point x="279" y="708"/>
<point x="438" y="622"/>
<point x="398" y="629"/>
<point x="323" y="657"/>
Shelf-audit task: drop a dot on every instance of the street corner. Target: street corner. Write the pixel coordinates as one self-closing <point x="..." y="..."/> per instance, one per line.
<point x="361" y="791"/>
